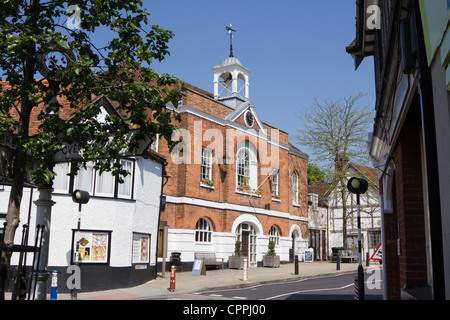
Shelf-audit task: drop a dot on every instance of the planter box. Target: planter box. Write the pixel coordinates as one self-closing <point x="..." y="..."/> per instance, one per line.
<point x="235" y="262"/>
<point x="271" y="261"/>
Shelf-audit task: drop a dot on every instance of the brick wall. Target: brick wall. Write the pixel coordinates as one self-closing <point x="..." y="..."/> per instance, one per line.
<point x="185" y="179"/>
<point x="406" y="227"/>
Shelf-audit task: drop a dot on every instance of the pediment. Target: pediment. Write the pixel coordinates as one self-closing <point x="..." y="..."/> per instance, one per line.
<point x="251" y="121"/>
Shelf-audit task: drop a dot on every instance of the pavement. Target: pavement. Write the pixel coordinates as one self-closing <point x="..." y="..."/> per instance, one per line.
<point x="186" y="283"/>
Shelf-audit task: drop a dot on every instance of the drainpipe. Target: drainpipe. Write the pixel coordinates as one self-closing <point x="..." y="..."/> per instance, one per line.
<point x="163" y="177"/>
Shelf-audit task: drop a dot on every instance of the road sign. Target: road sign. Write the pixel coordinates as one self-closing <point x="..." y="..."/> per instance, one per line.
<point x="378" y="254"/>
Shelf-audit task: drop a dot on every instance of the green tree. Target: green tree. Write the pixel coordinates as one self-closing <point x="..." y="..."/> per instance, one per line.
<point x="59" y="34"/>
<point x="336" y="131"/>
<point x="315" y="174"/>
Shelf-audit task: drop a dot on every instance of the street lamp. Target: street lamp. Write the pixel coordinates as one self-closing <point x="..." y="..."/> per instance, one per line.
<point x="80" y="197"/>
<point x="359" y="186"/>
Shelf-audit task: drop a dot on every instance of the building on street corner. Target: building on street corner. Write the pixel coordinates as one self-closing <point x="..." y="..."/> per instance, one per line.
<point x="118" y="226"/>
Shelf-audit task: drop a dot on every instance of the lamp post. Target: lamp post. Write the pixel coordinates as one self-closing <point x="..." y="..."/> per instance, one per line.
<point x="359" y="186"/>
<point x="80" y="197"/>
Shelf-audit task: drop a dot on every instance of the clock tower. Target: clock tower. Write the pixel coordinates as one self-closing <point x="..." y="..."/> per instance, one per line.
<point x="231" y="83"/>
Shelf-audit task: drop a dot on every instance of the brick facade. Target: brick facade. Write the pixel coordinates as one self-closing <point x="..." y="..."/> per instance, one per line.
<point x="406" y="261"/>
<point x="223" y="204"/>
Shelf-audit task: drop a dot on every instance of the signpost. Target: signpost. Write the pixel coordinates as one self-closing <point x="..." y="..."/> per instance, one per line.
<point x="309" y="255"/>
<point x="378" y="254"/>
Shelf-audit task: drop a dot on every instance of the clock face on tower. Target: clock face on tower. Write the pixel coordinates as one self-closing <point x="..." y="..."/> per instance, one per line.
<point x="249" y="119"/>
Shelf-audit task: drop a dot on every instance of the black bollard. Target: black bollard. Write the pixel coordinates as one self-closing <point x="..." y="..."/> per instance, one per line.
<point x="338" y="262"/>
<point x="296" y="264"/>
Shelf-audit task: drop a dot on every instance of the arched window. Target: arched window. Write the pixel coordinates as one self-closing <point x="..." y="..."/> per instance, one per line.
<point x="203" y="230"/>
<point x="243" y="168"/>
<point x="246" y="167"/>
<point x="274" y="235"/>
<point x="295" y="188"/>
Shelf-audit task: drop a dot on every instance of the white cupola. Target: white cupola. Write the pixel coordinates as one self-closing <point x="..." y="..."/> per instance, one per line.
<point x="231" y="84"/>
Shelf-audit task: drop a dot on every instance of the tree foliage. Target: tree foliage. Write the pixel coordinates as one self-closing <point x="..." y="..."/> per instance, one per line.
<point x="336" y="128"/>
<point x="336" y="132"/>
<point x="31" y="30"/>
<point x="316" y="175"/>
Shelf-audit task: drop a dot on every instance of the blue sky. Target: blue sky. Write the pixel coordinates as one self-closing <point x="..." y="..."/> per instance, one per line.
<point x="295" y="50"/>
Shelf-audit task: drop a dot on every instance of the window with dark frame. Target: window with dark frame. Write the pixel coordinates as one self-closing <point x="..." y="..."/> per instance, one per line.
<point x="98" y="185"/>
<point x="93" y="246"/>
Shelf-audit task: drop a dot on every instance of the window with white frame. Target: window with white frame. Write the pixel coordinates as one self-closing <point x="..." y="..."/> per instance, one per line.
<point x="274" y="185"/>
<point x="61" y="180"/>
<point x="274" y="235"/>
<point x="243" y="168"/>
<point x="246" y="167"/>
<point x="203" y="230"/>
<point x="295" y="188"/>
<point x="206" y="164"/>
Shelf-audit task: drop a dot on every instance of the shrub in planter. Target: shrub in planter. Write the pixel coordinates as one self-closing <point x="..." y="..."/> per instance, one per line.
<point x="271" y="259"/>
<point x="236" y="261"/>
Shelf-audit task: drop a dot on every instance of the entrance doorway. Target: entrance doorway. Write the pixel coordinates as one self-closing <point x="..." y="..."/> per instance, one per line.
<point x="246" y="233"/>
<point x="314" y="242"/>
<point x="294" y="250"/>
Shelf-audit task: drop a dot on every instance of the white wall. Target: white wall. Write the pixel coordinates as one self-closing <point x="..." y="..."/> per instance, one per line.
<point x="122" y="217"/>
<point x="222" y="244"/>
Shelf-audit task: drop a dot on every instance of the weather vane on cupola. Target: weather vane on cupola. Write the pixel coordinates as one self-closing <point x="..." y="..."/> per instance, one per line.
<point x="231" y="31"/>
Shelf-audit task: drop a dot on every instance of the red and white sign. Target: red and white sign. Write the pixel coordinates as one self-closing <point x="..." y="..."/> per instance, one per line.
<point x="378" y="254"/>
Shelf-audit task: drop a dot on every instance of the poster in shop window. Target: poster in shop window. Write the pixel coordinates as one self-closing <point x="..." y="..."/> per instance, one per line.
<point x="93" y="246"/>
<point x="141" y="248"/>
